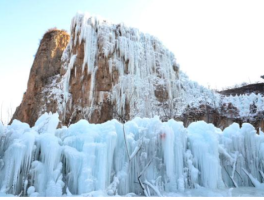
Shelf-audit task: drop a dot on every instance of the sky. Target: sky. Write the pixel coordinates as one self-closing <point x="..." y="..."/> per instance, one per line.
<point x="218" y="43"/>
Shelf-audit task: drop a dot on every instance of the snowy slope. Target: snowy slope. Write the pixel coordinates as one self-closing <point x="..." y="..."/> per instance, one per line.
<point x="164" y="158"/>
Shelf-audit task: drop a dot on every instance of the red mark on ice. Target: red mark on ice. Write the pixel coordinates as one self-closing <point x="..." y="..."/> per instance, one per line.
<point x="162" y="136"/>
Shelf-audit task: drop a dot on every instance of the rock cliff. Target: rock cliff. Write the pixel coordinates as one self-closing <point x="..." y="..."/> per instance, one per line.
<point x="104" y="71"/>
<point x="47" y="63"/>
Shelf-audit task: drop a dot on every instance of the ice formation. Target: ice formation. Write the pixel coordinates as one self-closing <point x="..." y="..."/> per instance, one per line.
<point x="145" y="69"/>
<point x="140" y="60"/>
<point x="144" y="156"/>
<point x="193" y="95"/>
<point x="244" y="103"/>
<point x="121" y="159"/>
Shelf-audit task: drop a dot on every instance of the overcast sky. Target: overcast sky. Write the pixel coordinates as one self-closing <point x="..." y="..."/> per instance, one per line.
<point x="216" y="43"/>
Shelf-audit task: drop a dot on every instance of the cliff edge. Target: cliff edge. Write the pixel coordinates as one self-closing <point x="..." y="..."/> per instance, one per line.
<point x="47" y="63"/>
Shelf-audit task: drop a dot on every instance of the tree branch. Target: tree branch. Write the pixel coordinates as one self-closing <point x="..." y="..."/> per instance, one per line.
<point x="139" y="180"/>
<point x="153" y="188"/>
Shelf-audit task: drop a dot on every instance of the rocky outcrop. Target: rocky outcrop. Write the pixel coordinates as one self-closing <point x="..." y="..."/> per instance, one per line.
<point x="222" y="117"/>
<point x="221" y="110"/>
<point x="104" y="71"/>
<point x="47" y="63"/>
<point x="111" y="71"/>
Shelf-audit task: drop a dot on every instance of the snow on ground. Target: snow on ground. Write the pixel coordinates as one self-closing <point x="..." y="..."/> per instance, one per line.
<point x="230" y="192"/>
<point x="142" y="157"/>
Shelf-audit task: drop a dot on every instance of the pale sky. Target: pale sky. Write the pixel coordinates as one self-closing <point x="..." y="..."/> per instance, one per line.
<point x="216" y="43"/>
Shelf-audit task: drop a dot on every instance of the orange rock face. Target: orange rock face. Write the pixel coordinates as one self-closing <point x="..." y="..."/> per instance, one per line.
<point x="47" y="63"/>
<point x="100" y="72"/>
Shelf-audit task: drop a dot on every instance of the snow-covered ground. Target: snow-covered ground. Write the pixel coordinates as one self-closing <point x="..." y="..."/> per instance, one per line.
<point x="200" y="192"/>
<point x="142" y="157"/>
<point x="230" y="192"/>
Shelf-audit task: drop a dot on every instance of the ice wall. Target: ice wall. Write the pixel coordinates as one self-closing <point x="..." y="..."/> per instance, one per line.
<point x="144" y="156"/>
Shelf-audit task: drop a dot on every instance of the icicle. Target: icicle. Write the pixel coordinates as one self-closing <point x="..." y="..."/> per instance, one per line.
<point x="67" y="77"/>
<point x="88" y="158"/>
<point x="143" y="65"/>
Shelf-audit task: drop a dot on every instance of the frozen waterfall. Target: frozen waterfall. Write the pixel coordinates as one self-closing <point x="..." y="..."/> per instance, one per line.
<point x="142" y="157"/>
